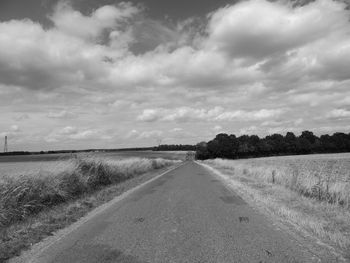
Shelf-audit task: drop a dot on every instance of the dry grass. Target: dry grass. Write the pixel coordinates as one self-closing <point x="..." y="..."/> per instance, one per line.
<point x="22" y="196"/>
<point x="311" y="194"/>
<point x="325" y="179"/>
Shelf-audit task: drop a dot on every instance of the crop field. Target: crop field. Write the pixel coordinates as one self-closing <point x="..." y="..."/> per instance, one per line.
<point x="320" y="176"/>
<point x="56" y="163"/>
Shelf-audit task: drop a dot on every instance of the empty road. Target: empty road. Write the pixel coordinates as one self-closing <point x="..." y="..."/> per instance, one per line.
<point x="186" y="215"/>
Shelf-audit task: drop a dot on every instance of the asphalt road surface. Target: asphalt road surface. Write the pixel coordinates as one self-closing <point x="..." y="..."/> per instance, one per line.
<point x="186" y="215"/>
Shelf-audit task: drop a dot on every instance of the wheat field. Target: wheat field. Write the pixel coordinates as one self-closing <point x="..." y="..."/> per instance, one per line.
<point x="321" y="176"/>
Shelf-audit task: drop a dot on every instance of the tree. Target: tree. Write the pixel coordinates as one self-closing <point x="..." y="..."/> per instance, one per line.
<point x="202" y="151"/>
<point x="290" y="141"/>
<point x="229" y="146"/>
<point x="223" y="146"/>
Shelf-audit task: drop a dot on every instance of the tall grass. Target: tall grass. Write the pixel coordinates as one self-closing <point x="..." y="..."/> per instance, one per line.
<point x="325" y="179"/>
<point x="21" y="196"/>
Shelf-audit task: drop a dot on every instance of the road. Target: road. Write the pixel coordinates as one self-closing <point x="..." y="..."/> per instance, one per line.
<point x="187" y="215"/>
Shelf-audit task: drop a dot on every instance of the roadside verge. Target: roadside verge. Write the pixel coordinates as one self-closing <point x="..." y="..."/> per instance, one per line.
<point x="287" y="211"/>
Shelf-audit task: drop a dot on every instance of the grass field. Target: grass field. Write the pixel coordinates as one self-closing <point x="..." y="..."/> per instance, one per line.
<point x="23" y="195"/>
<point x="311" y="192"/>
<point x="322" y="176"/>
<point x="55" y="163"/>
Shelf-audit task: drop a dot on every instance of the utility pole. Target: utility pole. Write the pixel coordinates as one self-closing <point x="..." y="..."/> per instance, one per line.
<point x="159" y="141"/>
<point x="5" y="146"/>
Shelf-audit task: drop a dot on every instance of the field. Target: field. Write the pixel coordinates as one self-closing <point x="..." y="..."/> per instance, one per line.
<point x="311" y="192"/>
<point x="321" y="176"/>
<point x="56" y="163"/>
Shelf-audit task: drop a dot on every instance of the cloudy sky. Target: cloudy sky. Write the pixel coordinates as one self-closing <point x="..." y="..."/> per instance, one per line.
<point x="107" y="74"/>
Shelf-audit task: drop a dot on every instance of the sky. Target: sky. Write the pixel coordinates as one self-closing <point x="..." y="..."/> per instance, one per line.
<point x="108" y="74"/>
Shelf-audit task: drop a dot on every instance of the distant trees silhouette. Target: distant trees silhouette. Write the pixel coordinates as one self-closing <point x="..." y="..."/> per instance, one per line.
<point x="175" y="147"/>
<point x="245" y="146"/>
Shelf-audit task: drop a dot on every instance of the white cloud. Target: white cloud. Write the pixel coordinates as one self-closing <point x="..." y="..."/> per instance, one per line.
<point x="68" y="130"/>
<point x="299" y="121"/>
<point x="176" y="130"/>
<point x="214" y="114"/>
<point x="285" y="67"/>
<point x="240" y="32"/>
<point x="217" y="128"/>
<point x="250" y="115"/>
<point x="60" y="115"/>
<point x="34" y="58"/>
<point x="70" y="133"/>
<point x="82" y="135"/>
<point x="15" y="128"/>
<point x="149" y="115"/>
<point x="13" y="132"/>
<point x="339" y="113"/>
<point x="344" y="101"/>
<point x="152" y="134"/>
<point x="72" y="22"/>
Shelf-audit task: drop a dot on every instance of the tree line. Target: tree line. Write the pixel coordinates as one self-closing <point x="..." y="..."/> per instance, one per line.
<point x="175" y="147"/>
<point x="247" y="146"/>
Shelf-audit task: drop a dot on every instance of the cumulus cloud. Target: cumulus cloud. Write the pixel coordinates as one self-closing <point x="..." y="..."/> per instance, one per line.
<point x="61" y="115"/>
<point x="67" y="54"/>
<point x="107" y="17"/>
<point x="176" y="130"/>
<point x="120" y="70"/>
<point x="214" y="114"/>
<point x="13" y="131"/>
<point x="15" y="128"/>
<point x="139" y="135"/>
<point x="34" y="58"/>
<point x="71" y="133"/>
<point x="250" y="115"/>
<point x="239" y="32"/>
<point x="339" y="113"/>
<point x="282" y="39"/>
<point x="150" y="134"/>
